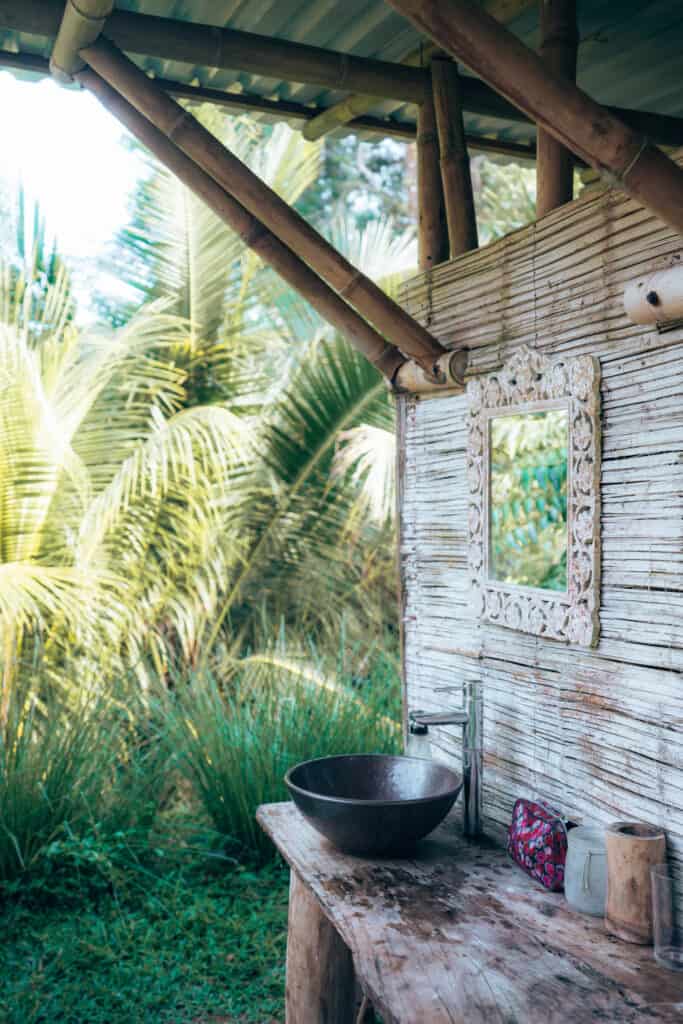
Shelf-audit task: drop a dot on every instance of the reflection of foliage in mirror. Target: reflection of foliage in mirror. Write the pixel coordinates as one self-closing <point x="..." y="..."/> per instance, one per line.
<point x="528" y="511"/>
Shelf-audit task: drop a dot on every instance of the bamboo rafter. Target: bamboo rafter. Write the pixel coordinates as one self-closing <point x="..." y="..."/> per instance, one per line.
<point x="625" y="156"/>
<point x="212" y="46"/>
<point x="354" y="106"/>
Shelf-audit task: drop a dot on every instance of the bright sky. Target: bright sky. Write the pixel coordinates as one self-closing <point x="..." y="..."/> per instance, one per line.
<point x="69" y="154"/>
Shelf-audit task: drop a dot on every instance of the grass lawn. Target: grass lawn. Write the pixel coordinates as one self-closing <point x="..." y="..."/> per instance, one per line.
<point x="185" y="945"/>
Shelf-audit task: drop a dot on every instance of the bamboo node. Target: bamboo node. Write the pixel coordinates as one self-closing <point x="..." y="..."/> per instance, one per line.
<point x="218" y="37"/>
<point x="178" y="123"/>
<point x="343" y="69"/>
<point x="255" y="232"/>
<point x="352" y="283"/>
<point x="643" y="146"/>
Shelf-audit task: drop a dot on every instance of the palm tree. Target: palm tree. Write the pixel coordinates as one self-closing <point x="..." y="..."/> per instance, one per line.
<point x="218" y="464"/>
<point x="299" y="545"/>
<point x="108" y="520"/>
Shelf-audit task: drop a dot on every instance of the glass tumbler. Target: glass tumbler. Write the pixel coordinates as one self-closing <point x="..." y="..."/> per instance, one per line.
<point x="585" y="871"/>
<point x="668" y="937"/>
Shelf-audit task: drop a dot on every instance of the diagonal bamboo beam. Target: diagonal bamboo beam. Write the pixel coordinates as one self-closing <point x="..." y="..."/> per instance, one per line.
<point x="557" y="105"/>
<point x="356" y="105"/>
<point x="294" y="271"/>
<point x="396" y="326"/>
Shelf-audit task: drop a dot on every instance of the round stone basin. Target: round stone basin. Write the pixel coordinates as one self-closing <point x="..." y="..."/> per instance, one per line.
<point x="373" y="803"/>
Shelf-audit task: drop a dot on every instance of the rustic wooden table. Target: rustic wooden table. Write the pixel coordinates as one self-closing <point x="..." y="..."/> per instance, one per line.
<point x="456" y="934"/>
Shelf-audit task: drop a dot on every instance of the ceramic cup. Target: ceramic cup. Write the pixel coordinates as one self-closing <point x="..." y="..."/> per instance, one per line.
<point x="585" y="873"/>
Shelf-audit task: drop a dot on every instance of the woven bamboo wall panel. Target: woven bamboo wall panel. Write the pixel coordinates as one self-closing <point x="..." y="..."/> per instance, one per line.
<point x="597" y="732"/>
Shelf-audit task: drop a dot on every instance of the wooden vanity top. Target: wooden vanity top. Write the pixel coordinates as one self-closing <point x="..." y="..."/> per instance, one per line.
<point x="459" y="934"/>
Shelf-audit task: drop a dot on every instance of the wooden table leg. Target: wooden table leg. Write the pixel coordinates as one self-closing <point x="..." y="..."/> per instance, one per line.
<point x="320" y="976"/>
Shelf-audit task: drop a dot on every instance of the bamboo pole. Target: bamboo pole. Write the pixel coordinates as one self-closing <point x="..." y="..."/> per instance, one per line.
<point x="80" y="26"/>
<point x="432" y="235"/>
<point x="212" y="46"/>
<point x="356" y="105"/>
<point x="557" y="105"/>
<point x="559" y="47"/>
<point x="283" y="109"/>
<point x="242" y="184"/>
<point x="42" y="18"/>
<point x="293" y="270"/>
<point x="454" y="160"/>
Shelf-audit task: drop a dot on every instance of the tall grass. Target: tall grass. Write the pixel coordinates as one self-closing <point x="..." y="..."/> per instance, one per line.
<point x="69" y="768"/>
<point x="234" y="742"/>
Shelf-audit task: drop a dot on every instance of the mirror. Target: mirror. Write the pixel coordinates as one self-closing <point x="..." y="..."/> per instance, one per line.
<point x="528" y="499"/>
<point x="533" y="496"/>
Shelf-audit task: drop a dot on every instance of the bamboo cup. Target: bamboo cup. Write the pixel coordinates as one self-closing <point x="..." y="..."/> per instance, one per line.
<point x="633" y="847"/>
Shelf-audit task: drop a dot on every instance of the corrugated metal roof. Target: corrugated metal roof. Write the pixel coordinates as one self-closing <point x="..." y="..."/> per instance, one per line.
<point x="631" y="53"/>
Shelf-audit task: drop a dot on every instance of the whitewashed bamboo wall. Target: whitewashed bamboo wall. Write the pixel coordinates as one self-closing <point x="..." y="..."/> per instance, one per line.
<point x="599" y="732"/>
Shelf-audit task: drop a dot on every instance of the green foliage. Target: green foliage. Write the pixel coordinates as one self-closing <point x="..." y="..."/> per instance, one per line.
<point x="505" y="196"/>
<point x="67" y="769"/>
<point x="360" y="180"/>
<point x="529" y="499"/>
<point x="235" y="741"/>
<point x="192" y="943"/>
<point x="35" y="284"/>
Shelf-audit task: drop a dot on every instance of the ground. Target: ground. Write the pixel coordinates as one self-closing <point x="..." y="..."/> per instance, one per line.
<point x="191" y="945"/>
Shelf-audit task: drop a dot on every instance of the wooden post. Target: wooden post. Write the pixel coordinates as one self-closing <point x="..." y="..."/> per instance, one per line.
<point x="81" y="24"/>
<point x="555" y="164"/>
<point x="455" y="161"/>
<point x="557" y="105"/>
<point x="355" y="105"/>
<point x="397" y="326"/>
<point x="293" y="270"/>
<point x="320" y="976"/>
<point x="432" y="236"/>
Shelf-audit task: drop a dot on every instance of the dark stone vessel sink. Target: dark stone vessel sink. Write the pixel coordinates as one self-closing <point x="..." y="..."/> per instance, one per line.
<point x="373" y="803"/>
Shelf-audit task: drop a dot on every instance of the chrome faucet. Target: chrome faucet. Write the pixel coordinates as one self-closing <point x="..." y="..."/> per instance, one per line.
<point x="471" y="718"/>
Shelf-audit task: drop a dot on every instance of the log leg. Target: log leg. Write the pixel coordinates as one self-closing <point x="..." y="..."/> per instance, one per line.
<point x="320" y="976"/>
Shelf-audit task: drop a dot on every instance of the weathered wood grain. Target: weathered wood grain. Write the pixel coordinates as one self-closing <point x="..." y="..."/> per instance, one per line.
<point x="459" y="935"/>
<point x="599" y="733"/>
<point x="320" y="974"/>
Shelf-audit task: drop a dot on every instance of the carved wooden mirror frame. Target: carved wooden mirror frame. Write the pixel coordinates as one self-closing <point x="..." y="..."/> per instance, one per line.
<point x="530" y="382"/>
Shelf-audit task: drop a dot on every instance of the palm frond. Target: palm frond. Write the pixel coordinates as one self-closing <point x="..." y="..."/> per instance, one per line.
<point x="368" y="455"/>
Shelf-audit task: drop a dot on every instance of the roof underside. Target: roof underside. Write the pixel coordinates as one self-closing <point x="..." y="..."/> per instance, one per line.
<point x="631" y="53"/>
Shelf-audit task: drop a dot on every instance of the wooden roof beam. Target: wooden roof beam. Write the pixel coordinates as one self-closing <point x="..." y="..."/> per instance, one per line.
<point x="590" y="131"/>
<point x="284" y="109"/>
<point x="241" y="184"/>
<point x="213" y="46"/>
<point x="356" y="105"/>
<point x="210" y="46"/>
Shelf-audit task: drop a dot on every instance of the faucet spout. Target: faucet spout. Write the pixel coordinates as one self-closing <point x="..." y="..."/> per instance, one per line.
<point x="471" y="718"/>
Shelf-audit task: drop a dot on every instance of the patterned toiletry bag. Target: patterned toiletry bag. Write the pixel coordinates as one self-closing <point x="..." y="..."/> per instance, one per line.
<point x="537" y="841"/>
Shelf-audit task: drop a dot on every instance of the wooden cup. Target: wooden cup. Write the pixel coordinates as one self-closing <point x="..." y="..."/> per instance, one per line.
<point x="633" y="847"/>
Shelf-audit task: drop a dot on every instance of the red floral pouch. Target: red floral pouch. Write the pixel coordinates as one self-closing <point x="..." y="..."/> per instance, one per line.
<point x="537" y="841"/>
